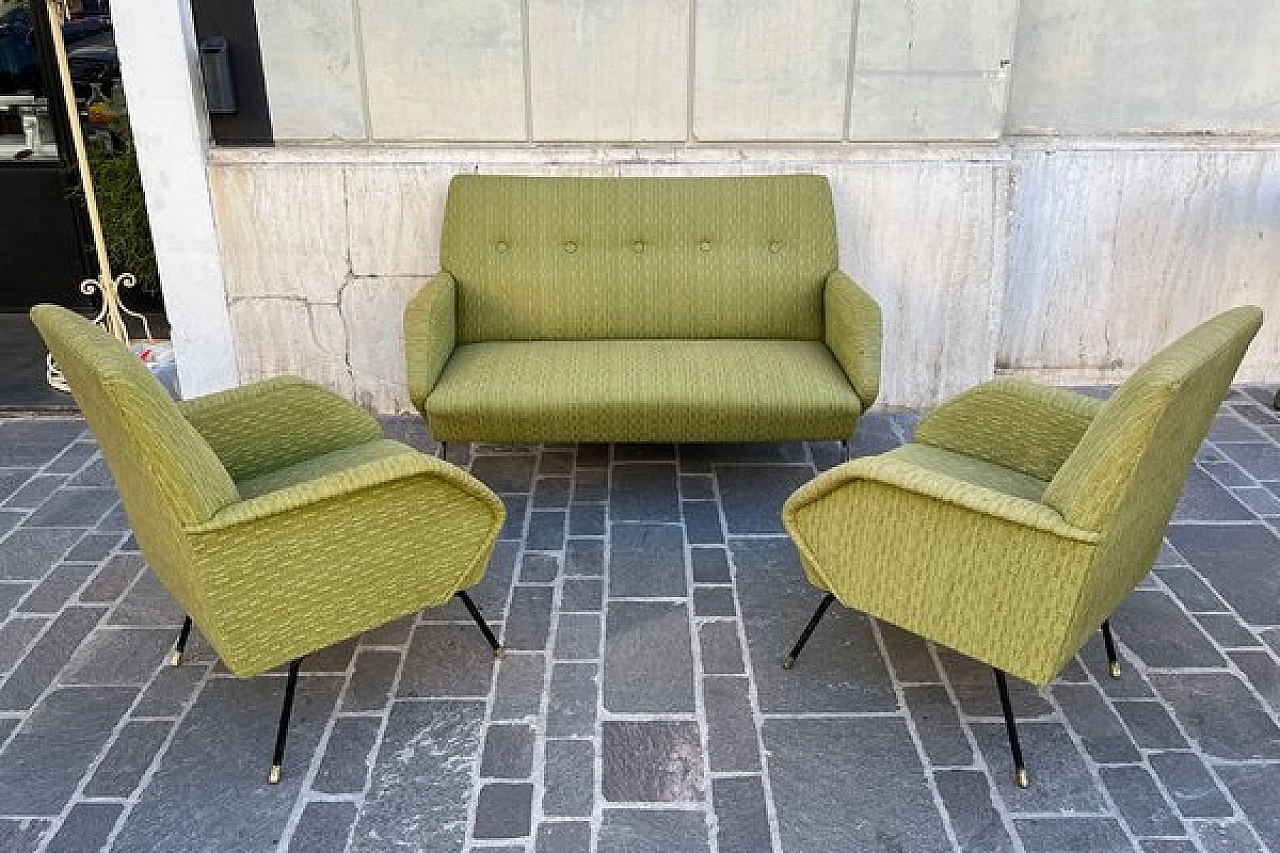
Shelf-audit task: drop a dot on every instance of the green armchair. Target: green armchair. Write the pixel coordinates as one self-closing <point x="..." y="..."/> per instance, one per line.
<point x="1021" y="516"/>
<point x="276" y="514"/>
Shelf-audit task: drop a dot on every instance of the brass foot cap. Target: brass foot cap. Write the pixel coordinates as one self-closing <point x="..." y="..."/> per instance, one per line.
<point x="788" y="662"/>
<point x="175" y="658"/>
<point x="273" y="777"/>
<point x="1021" y="777"/>
<point x="500" y="653"/>
<point x="1114" y="669"/>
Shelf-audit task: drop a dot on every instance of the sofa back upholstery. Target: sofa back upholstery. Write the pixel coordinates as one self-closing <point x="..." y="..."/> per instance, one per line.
<point x="550" y="258"/>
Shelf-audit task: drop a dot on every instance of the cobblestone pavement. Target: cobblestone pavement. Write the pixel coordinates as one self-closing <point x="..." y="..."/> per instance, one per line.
<point x="646" y="595"/>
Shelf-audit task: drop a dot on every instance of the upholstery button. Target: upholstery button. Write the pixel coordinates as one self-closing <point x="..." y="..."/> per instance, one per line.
<point x="705" y="245"/>
<point x="775" y="246"/>
<point x="500" y="247"/>
<point x="637" y="246"/>
<point x="570" y="246"/>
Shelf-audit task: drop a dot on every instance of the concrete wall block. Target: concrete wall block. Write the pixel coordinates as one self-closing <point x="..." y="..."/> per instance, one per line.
<point x="1101" y="67"/>
<point x="312" y="68"/>
<point x="887" y="106"/>
<point x="282" y="230"/>
<point x="396" y="212"/>
<point x="771" y="69"/>
<point x="940" y="35"/>
<point x="372" y="309"/>
<point x="927" y="241"/>
<point x="1114" y="253"/>
<point x="444" y="69"/>
<point x="608" y="69"/>
<point x="288" y="336"/>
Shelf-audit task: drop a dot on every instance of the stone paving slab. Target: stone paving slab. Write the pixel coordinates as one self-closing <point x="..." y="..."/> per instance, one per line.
<point x="647" y="596"/>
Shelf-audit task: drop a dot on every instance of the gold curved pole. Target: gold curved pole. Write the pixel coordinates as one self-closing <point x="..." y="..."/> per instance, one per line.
<point x="112" y="314"/>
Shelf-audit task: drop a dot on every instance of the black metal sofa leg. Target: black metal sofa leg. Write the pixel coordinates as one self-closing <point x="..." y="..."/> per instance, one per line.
<point x="790" y="660"/>
<point x="498" y="651"/>
<point x="1011" y="725"/>
<point x="282" y="731"/>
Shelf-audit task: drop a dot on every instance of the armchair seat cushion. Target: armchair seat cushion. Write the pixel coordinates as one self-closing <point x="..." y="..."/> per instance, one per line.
<point x="318" y="466"/>
<point x="971" y="470"/>
<point x="643" y="390"/>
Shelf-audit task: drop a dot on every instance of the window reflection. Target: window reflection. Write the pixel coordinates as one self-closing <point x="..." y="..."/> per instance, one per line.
<point x="26" y="129"/>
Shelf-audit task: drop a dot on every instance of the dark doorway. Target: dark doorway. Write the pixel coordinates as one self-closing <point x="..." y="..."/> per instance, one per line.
<point x="42" y="233"/>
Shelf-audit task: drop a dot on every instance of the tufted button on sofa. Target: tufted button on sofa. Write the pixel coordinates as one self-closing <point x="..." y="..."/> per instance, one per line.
<point x="641" y="309"/>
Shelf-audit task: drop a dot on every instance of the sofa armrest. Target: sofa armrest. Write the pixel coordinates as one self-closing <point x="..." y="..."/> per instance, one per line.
<point x="333" y="487"/>
<point x="309" y="565"/>
<point x="940" y="487"/>
<point x="269" y="425"/>
<point x="430" y="333"/>
<point x="1010" y="422"/>
<point x="851" y="329"/>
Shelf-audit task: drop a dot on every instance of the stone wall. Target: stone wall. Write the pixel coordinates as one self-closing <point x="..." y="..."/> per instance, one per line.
<point x="1062" y="264"/>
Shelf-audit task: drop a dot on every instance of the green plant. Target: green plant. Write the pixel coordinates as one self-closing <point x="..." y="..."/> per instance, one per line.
<point x="122" y="205"/>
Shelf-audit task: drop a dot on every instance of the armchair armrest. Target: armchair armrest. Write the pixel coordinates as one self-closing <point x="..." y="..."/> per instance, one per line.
<point x="939" y="487"/>
<point x="430" y="334"/>
<point x="1020" y="425"/>
<point x="272" y="424"/>
<point x="851" y="330"/>
<point x="374" y="474"/>
<point x="308" y="565"/>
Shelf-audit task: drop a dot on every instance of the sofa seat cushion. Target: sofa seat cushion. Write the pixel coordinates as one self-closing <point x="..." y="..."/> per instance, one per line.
<point x="642" y="390"/>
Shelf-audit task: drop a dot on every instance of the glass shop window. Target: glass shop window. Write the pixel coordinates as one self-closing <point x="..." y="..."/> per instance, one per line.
<point x="26" y="129"/>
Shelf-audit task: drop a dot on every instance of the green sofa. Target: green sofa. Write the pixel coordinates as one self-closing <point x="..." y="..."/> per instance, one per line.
<point x="641" y="309"/>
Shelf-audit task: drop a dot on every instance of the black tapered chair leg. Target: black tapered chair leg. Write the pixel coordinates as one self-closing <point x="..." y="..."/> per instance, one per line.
<point x="1011" y="725"/>
<point x="1113" y="660"/>
<point x="498" y="651"/>
<point x="790" y="660"/>
<point x="175" y="656"/>
<point x="282" y="731"/>
<point x="444" y="450"/>
<point x="844" y="445"/>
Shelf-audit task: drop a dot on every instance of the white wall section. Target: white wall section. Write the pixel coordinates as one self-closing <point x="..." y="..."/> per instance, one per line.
<point x="157" y="48"/>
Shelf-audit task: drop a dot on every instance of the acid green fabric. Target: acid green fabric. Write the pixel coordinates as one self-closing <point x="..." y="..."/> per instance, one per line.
<point x="1013" y="423"/>
<point x="539" y="258"/>
<point x="671" y="309"/>
<point x="852" y="330"/>
<point x="316" y="549"/>
<point x="655" y="390"/>
<point x="937" y="539"/>
<point x="274" y="424"/>
<point x="429" y="334"/>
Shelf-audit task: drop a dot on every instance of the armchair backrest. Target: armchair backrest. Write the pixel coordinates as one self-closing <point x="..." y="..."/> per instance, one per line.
<point x="570" y="258"/>
<point x="1125" y="476"/>
<point x="167" y="475"/>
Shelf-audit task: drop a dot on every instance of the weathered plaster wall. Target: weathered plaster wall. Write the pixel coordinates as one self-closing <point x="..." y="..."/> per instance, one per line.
<point x="324" y="247"/>
<point x="1087" y="67"/>
<point x="636" y="70"/>
<point x="1065" y="263"/>
<point x="1117" y="248"/>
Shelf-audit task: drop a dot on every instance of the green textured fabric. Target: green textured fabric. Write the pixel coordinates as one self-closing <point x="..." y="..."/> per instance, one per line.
<point x="274" y="424"/>
<point x="542" y="258"/>
<point x="852" y="330"/>
<point x="970" y="469"/>
<point x="1017" y="424"/>
<point x="673" y="309"/>
<point x="319" y="466"/>
<point x="960" y="539"/>
<point x="657" y="390"/>
<point x="319" y="549"/>
<point x="430" y="325"/>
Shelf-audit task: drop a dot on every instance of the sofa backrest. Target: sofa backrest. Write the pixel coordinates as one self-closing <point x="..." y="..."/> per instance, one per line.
<point x="1124" y="477"/>
<point x="550" y="258"/>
